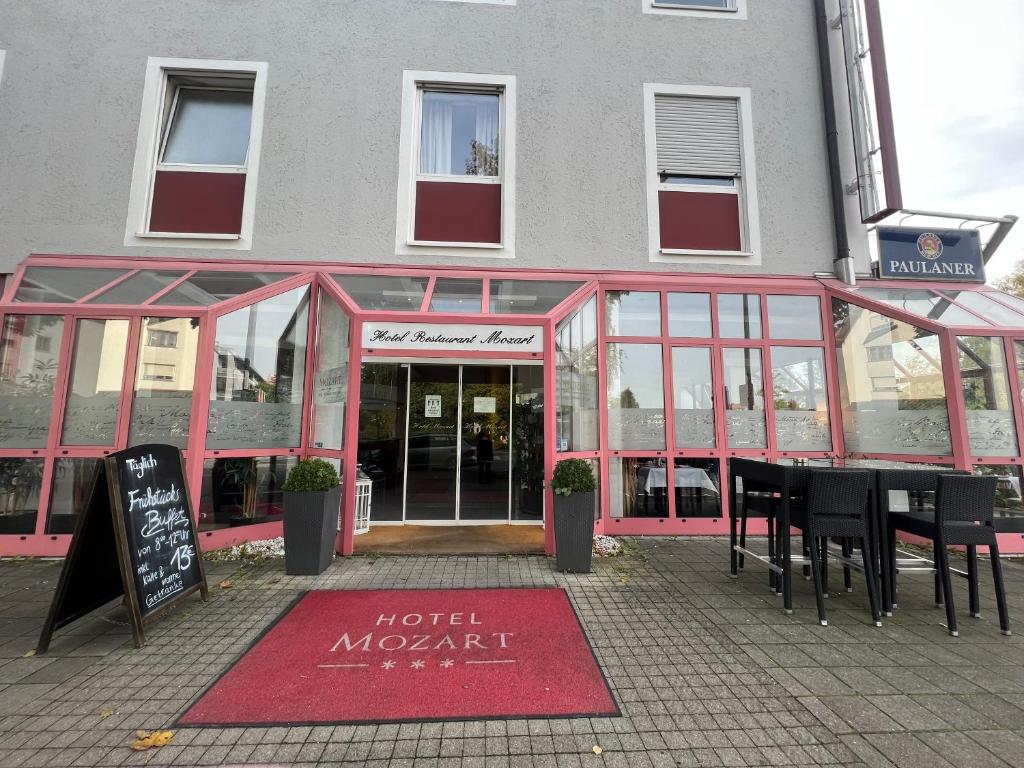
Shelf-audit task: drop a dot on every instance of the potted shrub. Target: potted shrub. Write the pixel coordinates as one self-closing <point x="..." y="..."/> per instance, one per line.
<point x="312" y="498"/>
<point x="573" y="484"/>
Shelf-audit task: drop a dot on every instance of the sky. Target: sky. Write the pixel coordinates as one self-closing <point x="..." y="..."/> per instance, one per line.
<point x="956" y="71"/>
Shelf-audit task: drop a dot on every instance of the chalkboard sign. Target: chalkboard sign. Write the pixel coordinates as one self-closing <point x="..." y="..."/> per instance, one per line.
<point x="135" y="538"/>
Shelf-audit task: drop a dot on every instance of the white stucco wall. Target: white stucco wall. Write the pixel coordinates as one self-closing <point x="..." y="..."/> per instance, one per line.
<point x="73" y="80"/>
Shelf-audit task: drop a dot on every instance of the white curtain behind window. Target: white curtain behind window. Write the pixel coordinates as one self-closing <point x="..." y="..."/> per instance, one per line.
<point x="436" y="138"/>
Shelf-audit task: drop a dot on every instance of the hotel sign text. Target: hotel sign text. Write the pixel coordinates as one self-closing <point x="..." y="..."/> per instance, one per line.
<point x="455" y="337"/>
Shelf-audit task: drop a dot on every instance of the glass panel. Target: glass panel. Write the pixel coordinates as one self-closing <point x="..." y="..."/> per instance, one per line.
<point x="94" y="391"/>
<point x="243" y="490"/>
<point x="1008" y="492"/>
<point x="528" y="297"/>
<point x="636" y="399"/>
<point x="403" y="294"/>
<point x="527" y="442"/>
<point x="63" y="284"/>
<point x="922" y="302"/>
<point x="460" y="134"/>
<point x="801" y="399"/>
<point x="744" y="398"/>
<point x="698" y="488"/>
<point x="209" y="127"/>
<point x="259" y="368"/>
<point x="637" y="487"/>
<point x="632" y="313"/>
<point x="986" y="388"/>
<point x="722" y="5"/>
<point x="694" y="397"/>
<point x="137" y="288"/>
<point x="457" y="295"/>
<point x="21" y="480"/>
<point x="433" y="442"/>
<point x="381" y="451"/>
<point x="29" y="350"/>
<point x="739" y="316"/>
<point x="576" y="380"/>
<point x="1007" y="298"/>
<point x="164" y="381"/>
<point x="486" y="458"/>
<point x="72" y="481"/>
<point x="206" y="288"/>
<point x="794" y="317"/>
<point x="987" y="308"/>
<point x="689" y="314"/>
<point x="330" y="384"/>
<point x="890" y="379"/>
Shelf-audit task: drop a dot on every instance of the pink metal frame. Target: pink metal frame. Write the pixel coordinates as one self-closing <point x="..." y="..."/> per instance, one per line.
<point x="323" y="286"/>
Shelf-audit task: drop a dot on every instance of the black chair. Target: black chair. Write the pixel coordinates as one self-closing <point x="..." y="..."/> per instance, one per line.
<point x="916" y="483"/>
<point x="964" y="515"/>
<point x="836" y="506"/>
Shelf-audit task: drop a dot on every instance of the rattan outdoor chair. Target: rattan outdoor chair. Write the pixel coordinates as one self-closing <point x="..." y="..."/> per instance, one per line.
<point x="964" y="515"/>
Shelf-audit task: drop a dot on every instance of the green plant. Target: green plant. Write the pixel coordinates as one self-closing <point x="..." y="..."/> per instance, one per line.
<point x="572" y="476"/>
<point x="312" y="475"/>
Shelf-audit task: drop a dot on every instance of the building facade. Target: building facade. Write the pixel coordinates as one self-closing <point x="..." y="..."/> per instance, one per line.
<point x="445" y="244"/>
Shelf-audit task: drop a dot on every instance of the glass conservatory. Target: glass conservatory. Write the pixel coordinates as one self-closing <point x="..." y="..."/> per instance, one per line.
<point x="432" y="383"/>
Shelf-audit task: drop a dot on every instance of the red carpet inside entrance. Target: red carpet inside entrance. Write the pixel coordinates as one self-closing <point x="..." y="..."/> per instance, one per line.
<point x="409" y="655"/>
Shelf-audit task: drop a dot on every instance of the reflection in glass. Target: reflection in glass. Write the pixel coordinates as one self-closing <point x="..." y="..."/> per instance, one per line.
<point x="61" y="285"/>
<point x="485" y="452"/>
<point x="739" y="316"/>
<point x="243" y="490"/>
<point x="72" y="482"/>
<point x="637" y="487"/>
<point x="632" y="313"/>
<point x="636" y="400"/>
<point x="29" y="350"/>
<point x="384" y="292"/>
<point x="382" y="424"/>
<point x="94" y="391"/>
<point x="330" y="382"/>
<point x="460" y="134"/>
<point x="457" y="295"/>
<point x="206" y="288"/>
<point x="693" y="393"/>
<point x="744" y="398"/>
<point x="20" y="483"/>
<point x="924" y="303"/>
<point x="164" y="381"/>
<point x="209" y="127"/>
<point x="576" y="380"/>
<point x="1008" y="491"/>
<point x="528" y="297"/>
<point x="794" y="317"/>
<point x="986" y="389"/>
<point x="891" y="387"/>
<point x="990" y="310"/>
<point x="259" y="368"/>
<point x="527" y="442"/>
<point x="801" y="400"/>
<point x="698" y="488"/>
<point x="137" y="288"/>
<point x="689" y="314"/>
<point x="433" y="454"/>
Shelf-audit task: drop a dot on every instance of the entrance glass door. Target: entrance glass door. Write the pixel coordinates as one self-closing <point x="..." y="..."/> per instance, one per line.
<point x="433" y="450"/>
<point x="484" y="475"/>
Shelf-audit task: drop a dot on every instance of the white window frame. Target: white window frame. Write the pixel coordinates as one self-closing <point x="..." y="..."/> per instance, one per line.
<point x="150" y="144"/>
<point x="750" y="227"/>
<point x="413" y="82"/>
<point x="3" y="55"/>
<point x="737" y="10"/>
<point x="481" y="2"/>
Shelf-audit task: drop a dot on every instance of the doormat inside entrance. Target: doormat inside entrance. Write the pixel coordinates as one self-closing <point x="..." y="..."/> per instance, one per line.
<point x="412" y="655"/>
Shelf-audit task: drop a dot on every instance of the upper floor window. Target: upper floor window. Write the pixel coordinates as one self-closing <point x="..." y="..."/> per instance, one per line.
<point x="732" y="8"/>
<point x="197" y="159"/>
<point x="456" y="184"/>
<point x="702" y="197"/>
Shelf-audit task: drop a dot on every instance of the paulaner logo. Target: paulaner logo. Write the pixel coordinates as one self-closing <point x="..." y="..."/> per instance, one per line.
<point x="929" y="245"/>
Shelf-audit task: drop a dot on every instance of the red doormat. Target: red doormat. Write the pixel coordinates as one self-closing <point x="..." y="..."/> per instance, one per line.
<point x="386" y="656"/>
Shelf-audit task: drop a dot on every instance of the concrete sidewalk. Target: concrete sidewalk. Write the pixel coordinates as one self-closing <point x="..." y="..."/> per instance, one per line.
<point x="708" y="670"/>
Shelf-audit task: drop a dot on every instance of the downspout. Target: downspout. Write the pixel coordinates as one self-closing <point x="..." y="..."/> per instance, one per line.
<point x="842" y="263"/>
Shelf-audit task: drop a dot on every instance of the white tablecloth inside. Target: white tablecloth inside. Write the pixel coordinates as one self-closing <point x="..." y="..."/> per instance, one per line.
<point x="685" y="477"/>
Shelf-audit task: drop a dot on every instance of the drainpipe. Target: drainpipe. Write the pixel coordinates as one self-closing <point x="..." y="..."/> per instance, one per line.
<point x="842" y="262"/>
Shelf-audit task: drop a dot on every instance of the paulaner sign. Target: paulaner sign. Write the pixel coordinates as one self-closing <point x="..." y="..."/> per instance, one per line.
<point x="930" y="254"/>
<point x="461" y="337"/>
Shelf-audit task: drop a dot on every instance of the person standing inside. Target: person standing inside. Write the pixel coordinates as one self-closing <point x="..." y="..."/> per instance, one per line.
<point x="484" y="455"/>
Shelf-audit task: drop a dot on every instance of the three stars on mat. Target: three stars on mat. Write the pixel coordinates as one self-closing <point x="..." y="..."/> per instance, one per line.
<point x="419" y="664"/>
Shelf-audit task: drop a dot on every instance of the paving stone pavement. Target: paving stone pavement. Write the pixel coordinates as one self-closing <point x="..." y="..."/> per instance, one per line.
<point x="708" y="671"/>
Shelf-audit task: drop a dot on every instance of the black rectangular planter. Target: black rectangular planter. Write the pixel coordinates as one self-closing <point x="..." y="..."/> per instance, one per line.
<point x="574" y="532"/>
<point x="310" y="527"/>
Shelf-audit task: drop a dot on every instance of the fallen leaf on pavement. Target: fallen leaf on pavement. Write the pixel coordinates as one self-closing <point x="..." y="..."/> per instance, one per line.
<point x="105" y="713"/>
<point x="28" y="654"/>
<point x="597" y="750"/>
<point x="227" y="584"/>
<point x="149" y="740"/>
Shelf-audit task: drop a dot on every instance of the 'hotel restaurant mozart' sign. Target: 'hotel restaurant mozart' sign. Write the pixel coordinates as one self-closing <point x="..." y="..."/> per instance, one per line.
<point x="459" y="337"/>
<point x="930" y="254"/>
